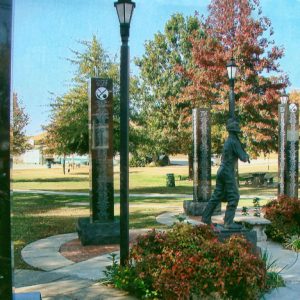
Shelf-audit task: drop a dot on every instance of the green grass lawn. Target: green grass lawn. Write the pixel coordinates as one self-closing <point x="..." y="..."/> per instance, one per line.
<point x="141" y="180"/>
<point x="38" y="216"/>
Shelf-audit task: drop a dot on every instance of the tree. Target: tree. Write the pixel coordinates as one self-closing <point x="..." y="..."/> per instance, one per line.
<point x="158" y="116"/>
<point x="294" y="96"/>
<point x="232" y="31"/>
<point x="67" y="131"/>
<point x="20" y="121"/>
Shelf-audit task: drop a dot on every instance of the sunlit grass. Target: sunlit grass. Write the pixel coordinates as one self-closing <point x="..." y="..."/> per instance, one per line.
<point x="141" y="180"/>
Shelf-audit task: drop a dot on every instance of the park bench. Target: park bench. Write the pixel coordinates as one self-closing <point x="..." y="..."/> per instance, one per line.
<point x="258" y="224"/>
<point x="183" y="177"/>
<point x="249" y="180"/>
<point x="269" y="180"/>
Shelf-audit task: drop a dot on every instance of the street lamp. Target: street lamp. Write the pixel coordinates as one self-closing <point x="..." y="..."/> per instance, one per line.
<point x="284" y="97"/>
<point x="124" y="9"/>
<point x="231" y="69"/>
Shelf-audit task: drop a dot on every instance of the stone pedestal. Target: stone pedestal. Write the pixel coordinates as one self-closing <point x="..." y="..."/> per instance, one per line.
<point x="249" y="235"/>
<point x="258" y="224"/>
<point x="97" y="233"/>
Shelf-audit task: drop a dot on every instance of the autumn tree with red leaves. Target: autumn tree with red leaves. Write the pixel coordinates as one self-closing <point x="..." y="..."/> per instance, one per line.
<point x="236" y="28"/>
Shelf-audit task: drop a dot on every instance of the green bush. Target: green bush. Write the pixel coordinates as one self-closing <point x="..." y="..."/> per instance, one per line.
<point x="189" y="261"/>
<point x="284" y="214"/>
<point x="293" y="243"/>
<point x="138" y="161"/>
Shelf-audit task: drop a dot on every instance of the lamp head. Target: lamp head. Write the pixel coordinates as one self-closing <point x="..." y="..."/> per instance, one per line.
<point x="284" y="98"/>
<point x="231" y="69"/>
<point x="124" y="9"/>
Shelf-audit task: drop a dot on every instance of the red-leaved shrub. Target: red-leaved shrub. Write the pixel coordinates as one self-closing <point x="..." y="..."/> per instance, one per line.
<point x="189" y="260"/>
<point x="284" y="214"/>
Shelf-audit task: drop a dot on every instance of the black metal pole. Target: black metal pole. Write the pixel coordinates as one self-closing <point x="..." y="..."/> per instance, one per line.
<point x="5" y="218"/>
<point x="231" y="99"/>
<point x="124" y="165"/>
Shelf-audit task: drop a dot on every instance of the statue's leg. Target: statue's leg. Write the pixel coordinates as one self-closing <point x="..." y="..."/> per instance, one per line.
<point x="233" y="197"/>
<point x="215" y="199"/>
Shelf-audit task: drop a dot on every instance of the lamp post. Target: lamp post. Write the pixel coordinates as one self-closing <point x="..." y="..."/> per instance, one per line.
<point x="124" y="9"/>
<point x="284" y="97"/>
<point x="231" y="69"/>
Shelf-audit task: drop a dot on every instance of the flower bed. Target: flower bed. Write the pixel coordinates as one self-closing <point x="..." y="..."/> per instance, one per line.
<point x="189" y="261"/>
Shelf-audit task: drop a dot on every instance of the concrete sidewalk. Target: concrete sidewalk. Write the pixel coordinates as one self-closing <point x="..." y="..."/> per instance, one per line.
<point x="60" y="278"/>
<point x="147" y="195"/>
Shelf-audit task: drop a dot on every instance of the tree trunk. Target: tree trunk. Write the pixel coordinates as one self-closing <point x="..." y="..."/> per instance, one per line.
<point x="191" y="163"/>
<point x="64" y="164"/>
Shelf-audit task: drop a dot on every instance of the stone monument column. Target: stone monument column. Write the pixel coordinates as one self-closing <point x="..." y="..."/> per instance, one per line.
<point x="101" y="150"/>
<point x="282" y="118"/>
<point x="201" y="163"/>
<point x="100" y="228"/>
<point x="202" y="155"/>
<point x="292" y="149"/>
<point x="288" y="150"/>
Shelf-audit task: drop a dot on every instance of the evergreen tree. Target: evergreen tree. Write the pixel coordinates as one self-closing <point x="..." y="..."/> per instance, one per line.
<point x="67" y="131"/>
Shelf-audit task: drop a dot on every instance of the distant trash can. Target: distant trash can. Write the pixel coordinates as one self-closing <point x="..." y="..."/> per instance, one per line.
<point x="170" y="180"/>
<point x="49" y="164"/>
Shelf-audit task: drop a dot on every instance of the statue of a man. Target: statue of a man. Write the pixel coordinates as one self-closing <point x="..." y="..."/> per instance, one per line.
<point x="226" y="184"/>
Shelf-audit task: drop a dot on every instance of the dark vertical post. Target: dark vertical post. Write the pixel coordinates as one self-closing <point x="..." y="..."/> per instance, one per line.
<point x="5" y="83"/>
<point x="231" y="99"/>
<point x="124" y="166"/>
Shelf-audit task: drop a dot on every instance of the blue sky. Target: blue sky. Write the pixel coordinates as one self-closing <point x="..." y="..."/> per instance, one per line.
<point x="46" y="30"/>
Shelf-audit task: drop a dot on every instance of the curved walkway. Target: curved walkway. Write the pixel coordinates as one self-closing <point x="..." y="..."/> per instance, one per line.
<point x="61" y="278"/>
<point x="148" y="195"/>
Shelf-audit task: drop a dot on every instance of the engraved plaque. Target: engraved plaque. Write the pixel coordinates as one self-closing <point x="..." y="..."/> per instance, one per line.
<point x="101" y="149"/>
<point x="288" y="150"/>
<point x="292" y="150"/>
<point x="282" y="118"/>
<point x="202" y="154"/>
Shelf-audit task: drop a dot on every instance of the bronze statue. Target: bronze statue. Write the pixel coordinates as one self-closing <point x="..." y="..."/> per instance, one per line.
<point x="226" y="184"/>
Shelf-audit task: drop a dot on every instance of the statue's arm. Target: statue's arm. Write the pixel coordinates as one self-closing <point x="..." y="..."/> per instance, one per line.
<point x="240" y="152"/>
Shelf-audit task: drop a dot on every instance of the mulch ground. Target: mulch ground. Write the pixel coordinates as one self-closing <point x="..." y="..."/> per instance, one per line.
<point x="75" y="252"/>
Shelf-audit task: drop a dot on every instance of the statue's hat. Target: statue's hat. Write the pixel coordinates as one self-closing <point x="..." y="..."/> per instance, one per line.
<point x="233" y="125"/>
